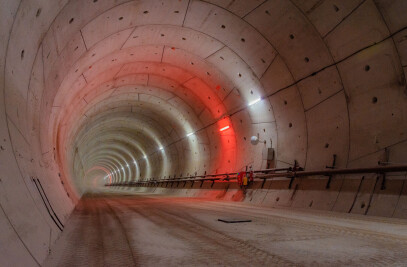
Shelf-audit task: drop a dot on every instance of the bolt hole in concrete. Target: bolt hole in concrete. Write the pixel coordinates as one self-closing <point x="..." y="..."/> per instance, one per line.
<point x="374" y="100"/>
<point x="336" y="8"/>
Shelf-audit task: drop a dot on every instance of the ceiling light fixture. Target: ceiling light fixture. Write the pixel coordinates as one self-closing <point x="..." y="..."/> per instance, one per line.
<point x="255" y="101"/>
<point x="224" y="128"/>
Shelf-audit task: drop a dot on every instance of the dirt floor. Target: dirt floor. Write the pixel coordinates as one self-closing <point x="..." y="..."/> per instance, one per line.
<point x="146" y="230"/>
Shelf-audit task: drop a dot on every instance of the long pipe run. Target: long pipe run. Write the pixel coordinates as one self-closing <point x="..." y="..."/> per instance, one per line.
<point x="289" y="173"/>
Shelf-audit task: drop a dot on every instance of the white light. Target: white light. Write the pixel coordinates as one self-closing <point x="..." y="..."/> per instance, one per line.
<point x="145" y="157"/>
<point x="255" y="101"/>
<point x="127" y="165"/>
<point x="135" y="162"/>
<point x="224" y="128"/>
<point x="161" y="148"/>
<point x="189" y="134"/>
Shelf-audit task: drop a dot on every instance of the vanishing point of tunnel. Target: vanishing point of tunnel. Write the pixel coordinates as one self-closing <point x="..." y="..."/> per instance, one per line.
<point x="203" y="133"/>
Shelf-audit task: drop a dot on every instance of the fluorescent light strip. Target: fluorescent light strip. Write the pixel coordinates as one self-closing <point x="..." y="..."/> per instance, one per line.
<point x="255" y="101"/>
<point x="224" y="128"/>
<point x="189" y="134"/>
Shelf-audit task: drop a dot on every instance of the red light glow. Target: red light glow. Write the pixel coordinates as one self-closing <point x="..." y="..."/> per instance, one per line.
<point x="224" y="128"/>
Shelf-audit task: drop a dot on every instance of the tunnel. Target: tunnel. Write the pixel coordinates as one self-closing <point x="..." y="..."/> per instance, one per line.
<point x="203" y="132"/>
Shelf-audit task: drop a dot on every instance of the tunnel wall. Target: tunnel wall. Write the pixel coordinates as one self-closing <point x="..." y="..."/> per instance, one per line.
<point x="334" y="81"/>
<point x="27" y="230"/>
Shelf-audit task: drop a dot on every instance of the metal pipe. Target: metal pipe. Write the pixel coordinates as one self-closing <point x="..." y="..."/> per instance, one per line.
<point x="277" y="173"/>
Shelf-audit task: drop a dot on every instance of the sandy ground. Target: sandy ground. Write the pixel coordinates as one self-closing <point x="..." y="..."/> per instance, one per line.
<point x="146" y="230"/>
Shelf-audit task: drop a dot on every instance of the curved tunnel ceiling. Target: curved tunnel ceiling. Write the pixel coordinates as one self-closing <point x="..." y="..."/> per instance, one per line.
<point x="130" y="90"/>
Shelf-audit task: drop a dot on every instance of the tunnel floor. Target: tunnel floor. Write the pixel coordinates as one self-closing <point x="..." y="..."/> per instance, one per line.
<point x="146" y="230"/>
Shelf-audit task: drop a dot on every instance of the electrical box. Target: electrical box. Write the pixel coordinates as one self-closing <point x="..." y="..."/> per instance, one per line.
<point x="268" y="153"/>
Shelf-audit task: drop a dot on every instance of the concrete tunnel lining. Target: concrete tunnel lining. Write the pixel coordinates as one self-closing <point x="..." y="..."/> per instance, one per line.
<point x="120" y="79"/>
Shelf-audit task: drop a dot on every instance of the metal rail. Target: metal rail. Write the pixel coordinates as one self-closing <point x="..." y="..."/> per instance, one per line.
<point x="292" y="172"/>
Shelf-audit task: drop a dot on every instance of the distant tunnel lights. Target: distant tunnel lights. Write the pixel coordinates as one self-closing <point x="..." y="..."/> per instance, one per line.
<point x="224" y="128"/>
<point x="254" y="101"/>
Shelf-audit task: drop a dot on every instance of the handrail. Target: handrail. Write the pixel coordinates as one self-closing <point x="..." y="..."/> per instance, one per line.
<point x="265" y="174"/>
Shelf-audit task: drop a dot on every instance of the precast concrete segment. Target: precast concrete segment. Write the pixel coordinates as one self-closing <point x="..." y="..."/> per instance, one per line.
<point x="147" y="230"/>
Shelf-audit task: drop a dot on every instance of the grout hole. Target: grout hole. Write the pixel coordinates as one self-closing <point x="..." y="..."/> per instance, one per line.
<point x="306" y="59"/>
<point x="243" y="40"/>
<point x="176" y="11"/>
<point x="290" y="125"/>
<point x="38" y="12"/>
<point x="367" y="68"/>
<point x="336" y="8"/>
<point x="162" y="35"/>
<point x="183" y="38"/>
<point x="262" y="60"/>
<point x="192" y="63"/>
<point x="277" y="199"/>
<point x="326" y="145"/>
<point x="223" y="26"/>
<point x="291" y="36"/>
<point x="22" y="54"/>
<point x="363" y="205"/>
<point x="267" y="12"/>
<point x="94" y="1"/>
<point x="240" y="75"/>
<point x="71" y="20"/>
<point x="285" y="102"/>
<point x="120" y="18"/>
<point x="145" y="12"/>
<point x="374" y="100"/>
